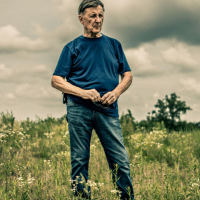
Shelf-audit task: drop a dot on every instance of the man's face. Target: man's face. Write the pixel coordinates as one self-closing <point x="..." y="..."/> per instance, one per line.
<point x="92" y="20"/>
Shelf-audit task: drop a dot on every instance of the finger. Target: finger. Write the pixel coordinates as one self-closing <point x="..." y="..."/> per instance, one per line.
<point x="110" y="100"/>
<point x="92" y="98"/>
<point x="96" y="99"/>
<point x="107" y="99"/>
<point x="105" y="96"/>
<point x="95" y="95"/>
<point x="91" y="94"/>
<point x="99" y="97"/>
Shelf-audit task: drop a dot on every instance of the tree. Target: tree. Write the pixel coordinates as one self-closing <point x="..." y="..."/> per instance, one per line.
<point x="169" y="110"/>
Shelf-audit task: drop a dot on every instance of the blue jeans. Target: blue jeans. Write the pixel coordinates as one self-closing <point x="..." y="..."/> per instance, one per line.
<point x="81" y="122"/>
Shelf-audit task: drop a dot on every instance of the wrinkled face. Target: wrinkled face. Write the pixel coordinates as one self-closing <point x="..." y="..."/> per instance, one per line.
<point x="92" y="20"/>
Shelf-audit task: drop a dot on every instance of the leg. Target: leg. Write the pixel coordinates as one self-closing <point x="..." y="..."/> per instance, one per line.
<point x="80" y="130"/>
<point x="109" y="132"/>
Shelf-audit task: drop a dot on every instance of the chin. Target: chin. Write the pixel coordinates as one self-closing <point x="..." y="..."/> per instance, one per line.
<point x="96" y="31"/>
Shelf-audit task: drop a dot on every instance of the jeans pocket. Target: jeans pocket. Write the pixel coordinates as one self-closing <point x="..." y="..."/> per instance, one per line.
<point x="71" y="103"/>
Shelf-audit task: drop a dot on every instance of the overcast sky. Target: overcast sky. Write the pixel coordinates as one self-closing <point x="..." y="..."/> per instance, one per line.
<point x="160" y="38"/>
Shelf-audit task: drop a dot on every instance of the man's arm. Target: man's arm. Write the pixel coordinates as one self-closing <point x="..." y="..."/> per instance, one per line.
<point x="59" y="83"/>
<point x="111" y="97"/>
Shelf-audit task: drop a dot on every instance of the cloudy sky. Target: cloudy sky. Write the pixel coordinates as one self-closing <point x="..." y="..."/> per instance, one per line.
<point x="160" y="38"/>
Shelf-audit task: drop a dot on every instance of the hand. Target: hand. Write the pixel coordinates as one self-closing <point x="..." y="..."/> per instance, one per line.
<point x="91" y="94"/>
<point x="109" y="98"/>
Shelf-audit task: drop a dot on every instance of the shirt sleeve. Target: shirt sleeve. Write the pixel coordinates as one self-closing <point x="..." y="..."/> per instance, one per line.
<point x="123" y="64"/>
<point x="63" y="67"/>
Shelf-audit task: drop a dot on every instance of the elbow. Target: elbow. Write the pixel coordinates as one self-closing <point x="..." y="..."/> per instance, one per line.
<point x="53" y="82"/>
<point x="131" y="78"/>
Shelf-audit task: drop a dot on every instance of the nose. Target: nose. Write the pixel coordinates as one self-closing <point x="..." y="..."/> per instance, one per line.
<point x="98" y="19"/>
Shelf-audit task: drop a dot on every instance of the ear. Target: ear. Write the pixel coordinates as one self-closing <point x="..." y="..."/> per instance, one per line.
<point x="80" y="17"/>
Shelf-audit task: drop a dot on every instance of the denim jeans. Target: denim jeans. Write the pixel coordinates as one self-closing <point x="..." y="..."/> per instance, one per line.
<point x="81" y="122"/>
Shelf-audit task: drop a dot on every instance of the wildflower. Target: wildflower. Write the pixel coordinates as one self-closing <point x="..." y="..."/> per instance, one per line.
<point x="2" y="164"/>
<point x="20" y="133"/>
<point x="62" y="143"/>
<point x="100" y="184"/>
<point x="159" y="145"/>
<point x="115" y="191"/>
<point x="195" y="184"/>
<point x="91" y="183"/>
<point x="82" y="181"/>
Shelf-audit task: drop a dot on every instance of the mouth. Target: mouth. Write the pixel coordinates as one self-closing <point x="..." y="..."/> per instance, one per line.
<point x="97" y="27"/>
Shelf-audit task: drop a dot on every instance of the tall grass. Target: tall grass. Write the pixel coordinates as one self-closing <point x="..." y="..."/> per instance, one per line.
<point x="35" y="162"/>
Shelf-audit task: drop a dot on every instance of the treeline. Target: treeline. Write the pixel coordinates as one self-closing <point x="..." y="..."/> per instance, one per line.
<point x="167" y="114"/>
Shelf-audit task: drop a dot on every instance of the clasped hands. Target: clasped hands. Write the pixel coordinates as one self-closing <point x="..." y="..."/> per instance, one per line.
<point x="108" y="98"/>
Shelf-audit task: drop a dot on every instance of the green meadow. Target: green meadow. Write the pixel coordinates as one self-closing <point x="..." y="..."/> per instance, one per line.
<point x="35" y="162"/>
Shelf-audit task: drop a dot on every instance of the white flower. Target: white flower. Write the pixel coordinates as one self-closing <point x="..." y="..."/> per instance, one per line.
<point x="195" y="184"/>
<point x="115" y="191"/>
<point x="100" y="184"/>
<point x="66" y="132"/>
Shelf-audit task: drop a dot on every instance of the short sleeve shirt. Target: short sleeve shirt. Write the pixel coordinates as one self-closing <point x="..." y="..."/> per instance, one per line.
<point x="93" y="63"/>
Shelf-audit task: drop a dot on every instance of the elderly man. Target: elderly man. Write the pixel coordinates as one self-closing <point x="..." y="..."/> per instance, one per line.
<point x="91" y="63"/>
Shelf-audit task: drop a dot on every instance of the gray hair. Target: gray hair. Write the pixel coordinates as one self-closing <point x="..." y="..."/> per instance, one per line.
<point x="89" y="3"/>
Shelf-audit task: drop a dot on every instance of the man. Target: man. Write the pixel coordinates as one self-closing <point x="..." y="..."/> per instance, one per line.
<point x="91" y="63"/>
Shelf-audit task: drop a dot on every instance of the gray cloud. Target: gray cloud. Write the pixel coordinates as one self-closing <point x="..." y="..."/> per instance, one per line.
<point x="180" y="57"/>
<point x="138" y="22"/>
<point x="5" y="73"/>
<point x="8" y="98"/>
<point x="191" y="86"/>
<point x="11" y="40"/>
<point x="141" y="63"/>
<point x="160" y="40"/>
<point x="27" y="73"/>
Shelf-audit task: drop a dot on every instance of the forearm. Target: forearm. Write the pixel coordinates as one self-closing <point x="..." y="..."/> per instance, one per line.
<point x="59" y="83"/>
<point x="124" y="84"/>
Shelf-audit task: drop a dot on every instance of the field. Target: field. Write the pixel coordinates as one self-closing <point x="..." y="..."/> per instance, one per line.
<point x="35" y="162"/>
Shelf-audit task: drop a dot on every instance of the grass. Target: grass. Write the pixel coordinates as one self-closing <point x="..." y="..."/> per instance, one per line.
<point x="35" y="162"/>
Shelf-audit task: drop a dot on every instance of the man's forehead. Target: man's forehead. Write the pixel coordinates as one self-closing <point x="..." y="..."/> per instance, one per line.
<point x="97" y="9"/>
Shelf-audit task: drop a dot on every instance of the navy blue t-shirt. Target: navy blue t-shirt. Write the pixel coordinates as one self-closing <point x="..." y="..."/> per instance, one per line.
<point x="93" y="63"/>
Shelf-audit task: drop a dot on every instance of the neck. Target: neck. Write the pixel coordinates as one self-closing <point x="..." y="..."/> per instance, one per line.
<point x="92" y="35"/>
